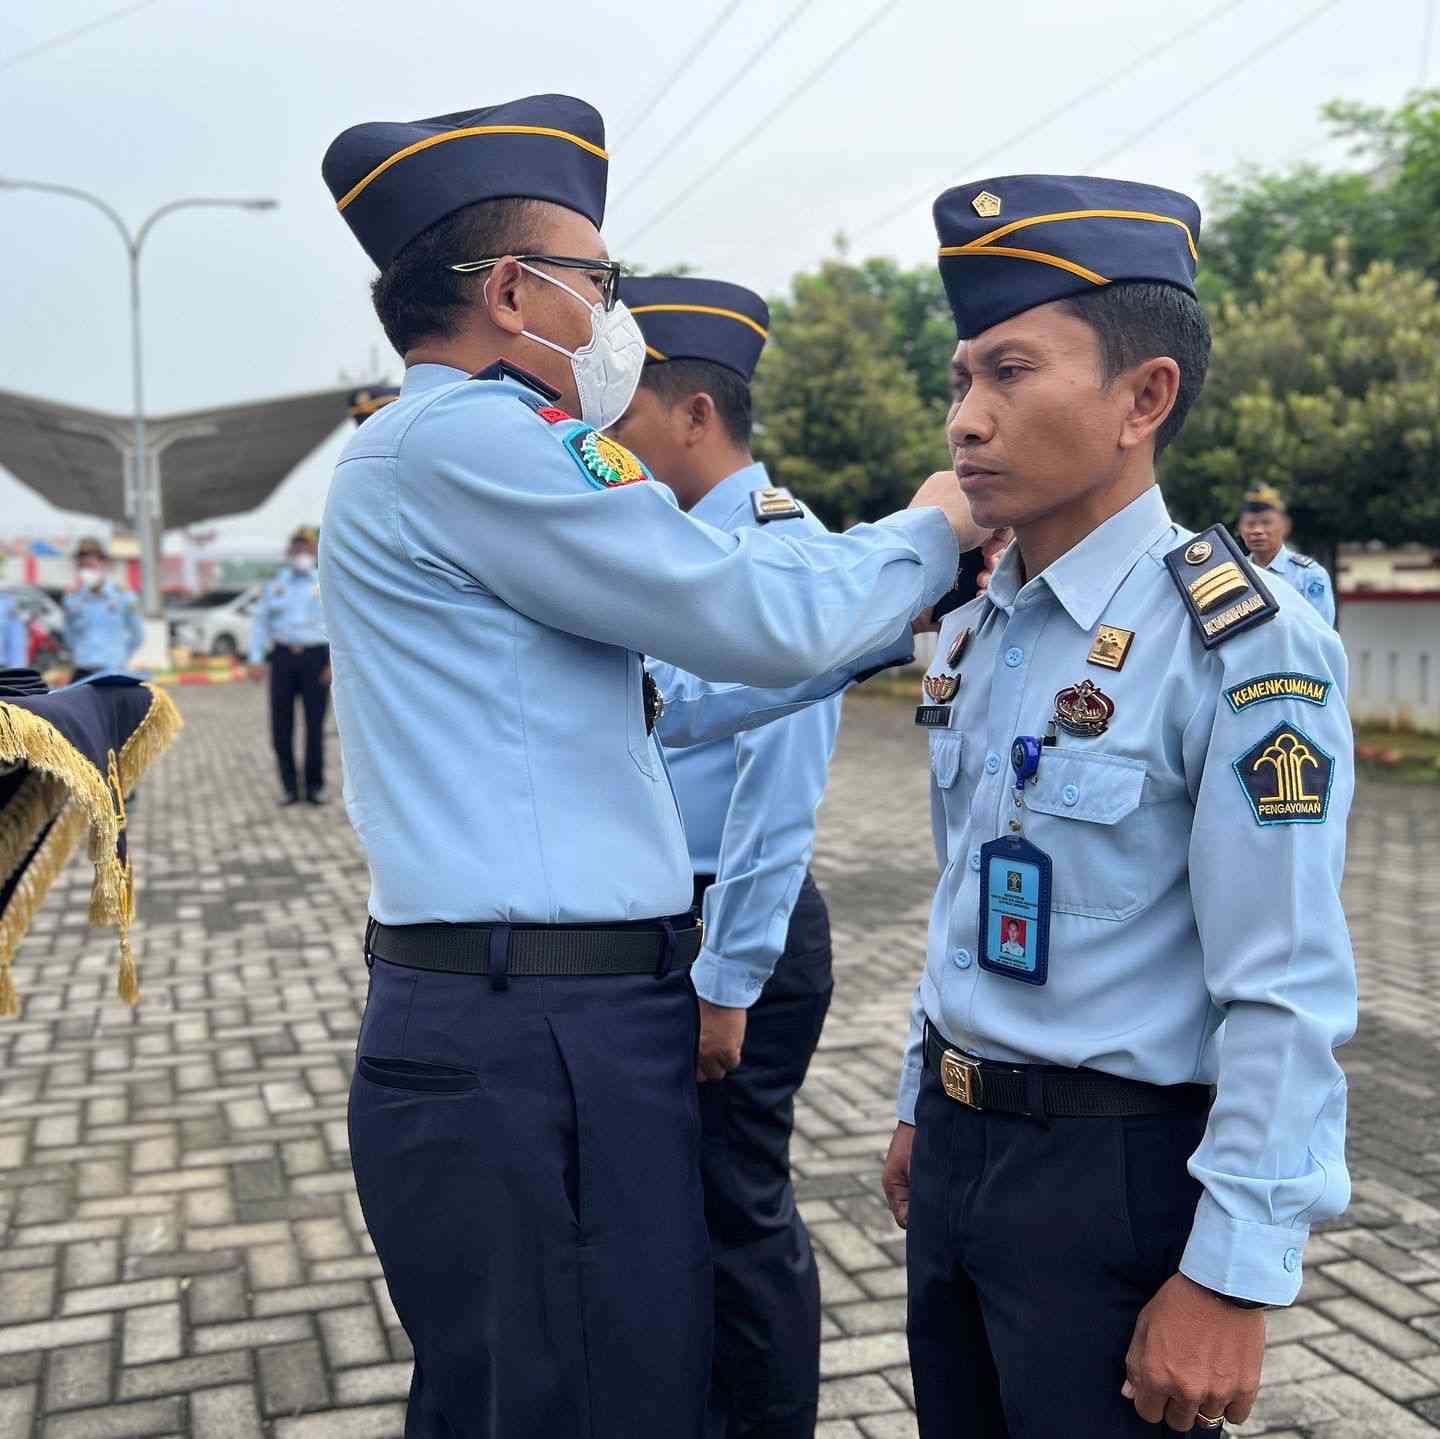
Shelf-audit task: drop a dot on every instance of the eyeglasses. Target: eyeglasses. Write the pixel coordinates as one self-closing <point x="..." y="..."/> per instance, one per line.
<point x="605" y="274"/>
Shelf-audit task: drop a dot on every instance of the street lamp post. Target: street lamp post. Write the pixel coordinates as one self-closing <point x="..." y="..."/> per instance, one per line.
<point x="147" y="516"/>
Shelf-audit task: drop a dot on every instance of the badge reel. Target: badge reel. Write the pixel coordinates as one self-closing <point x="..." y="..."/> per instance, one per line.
<point x="1015" y="887"/>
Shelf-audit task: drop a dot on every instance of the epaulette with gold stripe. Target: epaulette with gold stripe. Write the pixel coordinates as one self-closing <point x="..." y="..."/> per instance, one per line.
<point x="1219" y="586"/>
<point x="774" y="502"/>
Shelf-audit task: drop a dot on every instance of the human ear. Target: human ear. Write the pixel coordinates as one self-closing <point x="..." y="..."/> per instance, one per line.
<point x="699" y="413"/>
<point x="502" y="302"/>
<point x="1152" y="388"/>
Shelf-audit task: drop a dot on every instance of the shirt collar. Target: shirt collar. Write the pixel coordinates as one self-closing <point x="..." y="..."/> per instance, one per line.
<point x="1084" y="579"/>
<point x="1282" y="555"/>
<point x="719" y="503"/>
<point x="428" y="377"/>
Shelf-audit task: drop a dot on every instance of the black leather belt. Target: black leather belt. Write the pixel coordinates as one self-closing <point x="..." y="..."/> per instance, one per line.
<point x="1042" y="1091"/>
<point x="649" y="946"/>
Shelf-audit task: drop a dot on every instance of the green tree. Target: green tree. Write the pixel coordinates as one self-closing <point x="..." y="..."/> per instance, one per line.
<point x="1327" y="386"/>
<point x="840" y="419"/>
<point x="1383" y="205"/>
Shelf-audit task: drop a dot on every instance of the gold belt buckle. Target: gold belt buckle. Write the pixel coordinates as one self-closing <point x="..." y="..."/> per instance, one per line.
<point x="960" y="1078"/>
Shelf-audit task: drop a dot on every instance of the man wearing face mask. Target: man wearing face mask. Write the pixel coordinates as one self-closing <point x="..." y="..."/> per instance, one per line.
<point x="102" y="621"/>
<point x="289" y="627"/>
<point x="523" y="1117"/>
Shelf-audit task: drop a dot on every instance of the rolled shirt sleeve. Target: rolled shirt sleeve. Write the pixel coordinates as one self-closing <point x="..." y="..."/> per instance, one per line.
<point x="1278" y="965"/>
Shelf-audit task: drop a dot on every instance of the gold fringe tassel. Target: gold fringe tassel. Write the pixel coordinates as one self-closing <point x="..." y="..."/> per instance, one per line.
<point x="84" y="802"/>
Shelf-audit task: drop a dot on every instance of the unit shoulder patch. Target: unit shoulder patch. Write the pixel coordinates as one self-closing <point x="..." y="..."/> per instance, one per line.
<point x="605" y="463"/>
<point x="1219" y="586"/>
<point x="1286" y="777"/>
<point x="774" y="502"/>
<point x="1311" y="689"/>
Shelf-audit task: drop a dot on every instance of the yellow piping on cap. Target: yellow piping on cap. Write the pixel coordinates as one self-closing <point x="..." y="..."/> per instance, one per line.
<point x="425" y="144"/>
<point x="974" y="248"/>
<point x="654" y="353"/>
<point x="704" y="310"/>
<point x="1003" y="230"/>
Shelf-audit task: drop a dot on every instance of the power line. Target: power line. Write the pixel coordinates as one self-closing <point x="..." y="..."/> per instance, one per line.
<point x="745" y="67"/>
<point x="820" y="70"/>
<point x="1229" y="73"/>
<point x="1089" y="93"/>
<point x="689" y="58"/>
<point x="55" y="41"/>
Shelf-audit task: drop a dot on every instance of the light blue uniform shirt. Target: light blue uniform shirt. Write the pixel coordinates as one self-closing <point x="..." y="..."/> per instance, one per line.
<point x="103" y="627"/>
<point x="288" y="613"/>
<point x="1174" y="909"/>
<point x="15" y="633"/>
<point x="1309" y="578"/>
<point x="749" y="802"/>
<point x="488" y="602"/>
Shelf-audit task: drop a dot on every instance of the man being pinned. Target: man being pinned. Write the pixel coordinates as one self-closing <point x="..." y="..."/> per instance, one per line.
<point x="523" y="1117"/>
<point x="749" y="802"/>
<point x="289" y="627"/>
<point x="103" y="627"/>
<point x="1140" y="785"/>
<point x="1264" y="531"/>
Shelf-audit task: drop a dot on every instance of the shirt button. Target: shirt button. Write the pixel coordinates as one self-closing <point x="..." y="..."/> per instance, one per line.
<point x="1014" y="656"/>
<point x="1292" y="1260"/>
<point x="992" y="763"/>
<point x="963" y="958"/>
<point x="974" y="859"/>
<point x="1070" y="793"/>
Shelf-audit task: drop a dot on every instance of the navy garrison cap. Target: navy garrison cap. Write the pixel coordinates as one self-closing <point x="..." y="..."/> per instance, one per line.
<point x="1010" y="244"/>
<point x="393" y="179"/>
<point x="687" y="319"/>
<point x="364" y="402"/>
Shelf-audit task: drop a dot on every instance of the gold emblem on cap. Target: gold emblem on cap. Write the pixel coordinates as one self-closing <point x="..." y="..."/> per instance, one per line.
<point x="1199" y="552"/>
<point x="941" y="688"/>
<point x="986" y="205"/>
<point x="1111" y="646"/>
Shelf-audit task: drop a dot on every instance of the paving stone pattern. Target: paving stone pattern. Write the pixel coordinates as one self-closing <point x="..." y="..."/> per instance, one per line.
<point x="181" y="1252"/>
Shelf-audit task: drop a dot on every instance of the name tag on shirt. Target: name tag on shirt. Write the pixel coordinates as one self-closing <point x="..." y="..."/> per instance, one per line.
<point x="933" y="716"/>
<point x="1015" y="909"/>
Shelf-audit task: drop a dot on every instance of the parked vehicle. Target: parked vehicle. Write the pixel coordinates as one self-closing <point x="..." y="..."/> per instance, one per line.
<point x="46" y="622"/>
<point x="216" y="623"/>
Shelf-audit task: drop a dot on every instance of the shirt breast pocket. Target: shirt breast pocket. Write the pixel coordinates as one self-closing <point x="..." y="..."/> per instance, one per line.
<point x="1084" y="811"/>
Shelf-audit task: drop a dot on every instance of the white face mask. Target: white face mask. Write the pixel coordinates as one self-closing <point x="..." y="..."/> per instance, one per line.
<point x="302" y="563"/>
<point x="607" y="370"/>
<point x="92" y="577"/>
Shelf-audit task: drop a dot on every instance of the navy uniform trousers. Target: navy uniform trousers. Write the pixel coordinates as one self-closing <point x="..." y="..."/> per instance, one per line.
<point x="527" y="1161"/>
<point x="295" y="675"/>
<point x="765" y="1382"/>
<point x="1032" y="1248"/>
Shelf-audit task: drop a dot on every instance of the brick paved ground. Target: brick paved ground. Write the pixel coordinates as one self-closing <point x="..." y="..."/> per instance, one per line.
<point x="180" y="1248"/>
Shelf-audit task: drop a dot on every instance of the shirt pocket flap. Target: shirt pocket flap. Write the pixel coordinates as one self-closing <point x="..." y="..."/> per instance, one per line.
<point x="1098" y="788"/>
<point x="945" y="758"/>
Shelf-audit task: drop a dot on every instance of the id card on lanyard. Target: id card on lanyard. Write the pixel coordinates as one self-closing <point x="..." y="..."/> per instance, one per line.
<point x="1015" y="880"/>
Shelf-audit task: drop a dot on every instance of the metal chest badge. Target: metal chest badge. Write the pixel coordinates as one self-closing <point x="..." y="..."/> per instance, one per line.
<point x="941" y="689"/>
<point x="1084" y="710"/>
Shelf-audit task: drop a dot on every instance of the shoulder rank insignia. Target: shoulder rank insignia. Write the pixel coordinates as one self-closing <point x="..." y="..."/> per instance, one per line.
<point x="1286" y="777"/>
<point x="604" y="462"/>
<point x="774" y="502"/>
<point x="1304" y="561"/>
<point x="1219" y="586"/>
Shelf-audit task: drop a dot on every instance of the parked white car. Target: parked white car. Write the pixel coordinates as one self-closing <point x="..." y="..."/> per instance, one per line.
<point x="220" y="626"/>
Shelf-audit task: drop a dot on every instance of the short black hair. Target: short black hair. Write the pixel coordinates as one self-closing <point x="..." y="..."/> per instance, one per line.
<point x="1136" y="321"/>
<point x="674" y="380"/>
<point x="417" y="296"/>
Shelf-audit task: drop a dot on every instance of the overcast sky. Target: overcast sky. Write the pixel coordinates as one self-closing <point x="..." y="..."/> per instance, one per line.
<point x="241" y="97"/>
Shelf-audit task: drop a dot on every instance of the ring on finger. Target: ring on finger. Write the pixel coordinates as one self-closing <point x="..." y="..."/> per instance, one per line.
<point x="1205" y="1421"/>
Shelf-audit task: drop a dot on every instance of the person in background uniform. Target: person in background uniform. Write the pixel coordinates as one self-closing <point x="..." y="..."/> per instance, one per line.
<point x="1141" y="769"/>
<point x="1264" y="529"/>
<point x="103" y="627"/>
<point x="494" y="569"/>
<point x="749" y="801"/>
<point x="289" y="627"/>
